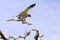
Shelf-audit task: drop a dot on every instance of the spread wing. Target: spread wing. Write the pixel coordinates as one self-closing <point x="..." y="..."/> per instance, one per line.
<point x="31" y="6"/>
<point x="25" y="11"/>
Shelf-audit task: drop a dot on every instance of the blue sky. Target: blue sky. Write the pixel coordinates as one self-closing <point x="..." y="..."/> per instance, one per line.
<point x="45" y="18"/>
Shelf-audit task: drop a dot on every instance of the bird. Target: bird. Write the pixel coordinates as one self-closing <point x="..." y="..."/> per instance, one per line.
<point x="23" y="15"/>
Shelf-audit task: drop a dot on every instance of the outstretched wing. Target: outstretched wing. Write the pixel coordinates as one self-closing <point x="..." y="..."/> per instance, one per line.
<point x="31" y="6"/>
<point x="25" y="11"/>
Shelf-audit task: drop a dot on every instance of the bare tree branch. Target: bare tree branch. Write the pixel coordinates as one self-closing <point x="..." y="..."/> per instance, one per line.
<point x="37" y="35"/>
<point x="2" y="36"/>
<point x="13" y="38"/>
<point x="25" y="35"/>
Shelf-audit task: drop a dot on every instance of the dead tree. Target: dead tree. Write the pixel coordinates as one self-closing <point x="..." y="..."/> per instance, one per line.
<point x="37" y="35"/>
<point x="2" y="36"/>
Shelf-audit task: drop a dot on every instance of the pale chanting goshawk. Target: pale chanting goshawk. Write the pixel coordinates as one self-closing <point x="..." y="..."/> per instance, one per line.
<point x="23" y="15"/>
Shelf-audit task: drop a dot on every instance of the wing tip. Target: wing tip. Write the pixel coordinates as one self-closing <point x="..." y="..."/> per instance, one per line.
<point x="33" y="5"/>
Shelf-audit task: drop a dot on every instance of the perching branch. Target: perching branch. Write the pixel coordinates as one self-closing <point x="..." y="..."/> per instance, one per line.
<point x="37" y="35"/>
<point x="13" y="38"/>
<point x="25" y="35"/>
<point x="2" y="36"/>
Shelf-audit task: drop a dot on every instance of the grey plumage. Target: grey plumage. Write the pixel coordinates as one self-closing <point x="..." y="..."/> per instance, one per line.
<point x="23" y="15"/>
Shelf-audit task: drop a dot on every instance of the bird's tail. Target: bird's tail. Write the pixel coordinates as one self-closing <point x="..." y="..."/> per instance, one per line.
<point x="10" y="20"/>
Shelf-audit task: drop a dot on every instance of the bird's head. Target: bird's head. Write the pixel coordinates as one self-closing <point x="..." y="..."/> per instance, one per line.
<point x="28" y="15"/>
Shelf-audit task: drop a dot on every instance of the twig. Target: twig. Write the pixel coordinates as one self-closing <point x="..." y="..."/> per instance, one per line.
<point x="25" y="35"/>
<point x="13" y="38"/>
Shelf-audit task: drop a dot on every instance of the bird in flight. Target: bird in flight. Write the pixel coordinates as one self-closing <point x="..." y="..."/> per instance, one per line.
<point x="23" y="15"/>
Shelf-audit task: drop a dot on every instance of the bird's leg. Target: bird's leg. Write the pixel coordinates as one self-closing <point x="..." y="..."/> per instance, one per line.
<point x="28" y="23"/>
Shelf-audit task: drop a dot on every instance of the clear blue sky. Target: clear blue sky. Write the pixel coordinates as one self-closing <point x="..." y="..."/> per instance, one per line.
<point x="45" y="18"/>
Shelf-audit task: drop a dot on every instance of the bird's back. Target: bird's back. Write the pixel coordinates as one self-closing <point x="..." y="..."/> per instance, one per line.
<point x="22" y="13"/>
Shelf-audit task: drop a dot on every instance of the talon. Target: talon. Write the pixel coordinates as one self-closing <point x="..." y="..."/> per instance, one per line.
<point x="29" y="23"/>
